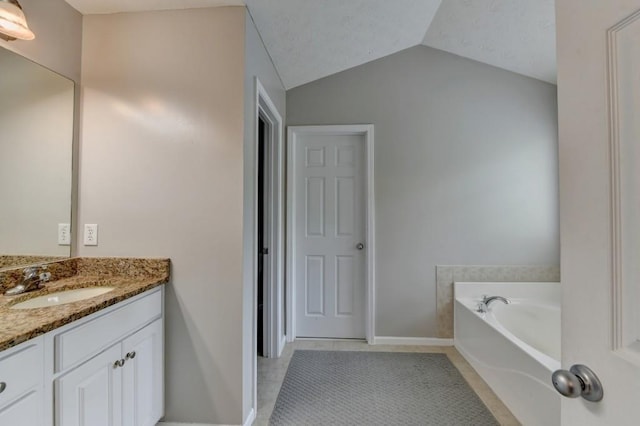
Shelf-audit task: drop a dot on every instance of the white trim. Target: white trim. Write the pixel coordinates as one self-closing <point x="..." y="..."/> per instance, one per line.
<point x="291" y="247"/>
<point x="266" y="109"/>
<point x="371" y="234"/>
<point x="250" y="418"/>
<point x="367" y="130"/>
<point x="411" y="341"/>
<point x="185" y="424"/>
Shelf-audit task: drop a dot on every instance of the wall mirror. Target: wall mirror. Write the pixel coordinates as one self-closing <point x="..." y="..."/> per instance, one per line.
<point x="36" y="140"/>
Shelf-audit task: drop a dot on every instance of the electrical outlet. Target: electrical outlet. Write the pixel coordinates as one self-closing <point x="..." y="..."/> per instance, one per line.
<point x="64" y="234"/>
<point x="90" y="234"/>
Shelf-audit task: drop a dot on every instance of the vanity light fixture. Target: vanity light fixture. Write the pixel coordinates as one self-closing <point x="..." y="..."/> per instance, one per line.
<point x="13" y="24"/>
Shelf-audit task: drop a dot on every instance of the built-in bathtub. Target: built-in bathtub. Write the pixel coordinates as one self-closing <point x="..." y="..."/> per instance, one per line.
<point x="514" y="347"/>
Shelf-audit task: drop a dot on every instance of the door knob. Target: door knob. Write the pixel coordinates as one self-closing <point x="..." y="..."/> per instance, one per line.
<point x="578" y="381"/>
<point x="360" y="246"/>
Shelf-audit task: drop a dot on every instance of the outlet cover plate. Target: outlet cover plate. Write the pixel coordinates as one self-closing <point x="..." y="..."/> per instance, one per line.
<point x="90" y="234"/>
<point x="64" y="234"/>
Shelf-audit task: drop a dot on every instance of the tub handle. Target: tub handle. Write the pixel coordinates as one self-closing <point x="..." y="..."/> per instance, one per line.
<point x="578" y="381"/>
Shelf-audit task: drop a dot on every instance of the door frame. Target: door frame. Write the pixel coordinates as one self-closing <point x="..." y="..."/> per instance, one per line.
<point x="275" y="340"/>
<point x="366" y="130"/>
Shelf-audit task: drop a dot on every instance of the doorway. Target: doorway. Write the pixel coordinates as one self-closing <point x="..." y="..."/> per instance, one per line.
<point x="268" y="237"/>
<point x="262" y="234"/>
<point x="265" y="247"/>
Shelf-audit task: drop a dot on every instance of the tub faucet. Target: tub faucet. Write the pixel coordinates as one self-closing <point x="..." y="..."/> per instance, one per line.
<point x="33" y="278"/>
<point x="483" y="306"/>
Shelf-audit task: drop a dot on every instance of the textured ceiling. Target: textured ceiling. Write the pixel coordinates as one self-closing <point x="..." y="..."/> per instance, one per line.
<point x="311" y="39"/>
<point x="90" y="7"/>
<point x="517" y="35"/>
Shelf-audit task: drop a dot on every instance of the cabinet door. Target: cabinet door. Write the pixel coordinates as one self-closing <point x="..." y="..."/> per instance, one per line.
<point x="143" y="393"/>
<point x="91" y="394"/>
<point x="24" y="412"/>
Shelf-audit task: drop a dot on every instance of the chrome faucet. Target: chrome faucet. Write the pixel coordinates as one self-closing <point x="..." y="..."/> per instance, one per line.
<point x="33" y="278"/>
<point x="483" y="306"/>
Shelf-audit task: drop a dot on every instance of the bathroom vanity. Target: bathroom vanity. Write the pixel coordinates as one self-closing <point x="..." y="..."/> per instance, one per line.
<point x="87" y="348"/>
<point x="96" y="361"/>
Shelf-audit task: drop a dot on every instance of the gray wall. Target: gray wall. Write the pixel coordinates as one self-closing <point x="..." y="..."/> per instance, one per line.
<point x="466" y="170"/>
<point x="162" y="175"/>
<point x="257" y="64"/>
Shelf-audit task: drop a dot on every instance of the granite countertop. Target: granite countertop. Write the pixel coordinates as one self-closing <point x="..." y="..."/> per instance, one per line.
<point x="129" y="277"/>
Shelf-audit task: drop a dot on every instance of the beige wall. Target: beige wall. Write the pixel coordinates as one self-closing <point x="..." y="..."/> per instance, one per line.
<point x="162" y="175"/>
<point x="466" y="170"/>
<point x="257" y="64"/>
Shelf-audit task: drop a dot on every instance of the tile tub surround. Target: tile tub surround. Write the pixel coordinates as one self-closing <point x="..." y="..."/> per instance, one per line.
<point x="130" y="277"/>
<point x="446" y="275"/>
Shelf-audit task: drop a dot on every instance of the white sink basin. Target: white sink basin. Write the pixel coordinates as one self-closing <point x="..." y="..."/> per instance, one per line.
<point x="62" y="297"/>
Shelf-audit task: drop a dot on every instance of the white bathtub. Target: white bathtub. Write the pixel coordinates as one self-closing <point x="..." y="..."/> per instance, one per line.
<point x="514" y="347"/>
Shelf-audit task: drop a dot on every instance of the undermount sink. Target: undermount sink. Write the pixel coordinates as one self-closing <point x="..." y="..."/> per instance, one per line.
<point x="62" y="297"/>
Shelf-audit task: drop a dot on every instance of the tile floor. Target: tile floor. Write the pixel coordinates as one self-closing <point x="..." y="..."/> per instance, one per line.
<point x="271" y="373"/>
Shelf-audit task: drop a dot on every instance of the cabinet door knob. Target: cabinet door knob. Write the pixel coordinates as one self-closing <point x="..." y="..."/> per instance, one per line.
<point x="131" y="355"/>
<point x="118" y="363"/>
<point x="3" y="386"/>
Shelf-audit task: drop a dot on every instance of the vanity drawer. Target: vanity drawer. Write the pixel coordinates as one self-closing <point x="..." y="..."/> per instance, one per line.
<point x="84" y="341"/>
<point x="21" y="369"/>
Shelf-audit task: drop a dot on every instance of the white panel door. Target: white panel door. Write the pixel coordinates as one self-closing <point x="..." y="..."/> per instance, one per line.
<point x="91" y="394"/>
<point x="330" y="223"/>
<point x="599" y="107"/>
<point x="142" y="393"/>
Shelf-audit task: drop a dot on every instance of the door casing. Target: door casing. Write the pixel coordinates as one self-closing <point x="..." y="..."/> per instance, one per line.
<point x="274" y="213"/>
<point x="266" y="110"/>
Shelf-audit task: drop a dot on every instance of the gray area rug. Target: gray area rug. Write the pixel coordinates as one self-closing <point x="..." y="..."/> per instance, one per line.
<point x="376" y="388"/>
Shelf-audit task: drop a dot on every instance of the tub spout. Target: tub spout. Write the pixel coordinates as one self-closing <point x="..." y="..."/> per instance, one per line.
<point x="483" y="306"/>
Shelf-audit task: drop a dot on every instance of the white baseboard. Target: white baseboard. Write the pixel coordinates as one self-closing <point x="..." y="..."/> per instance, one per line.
<point x="250" y="418"/>
<point x="411" y="341"/>
<point x="184" y="424"/>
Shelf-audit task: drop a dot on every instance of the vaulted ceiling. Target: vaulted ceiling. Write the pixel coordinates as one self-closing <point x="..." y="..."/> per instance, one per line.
<point x="517" y="35"/>
<point x="311" y="39"/>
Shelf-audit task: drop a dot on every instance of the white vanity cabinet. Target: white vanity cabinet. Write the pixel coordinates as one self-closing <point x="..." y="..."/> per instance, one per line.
<point x="121" y="385"/>
<point x="143" y="377"/>
<point x="22" y="384"/>
<point x="107" y="369"/>
<point x="91" y="394"/>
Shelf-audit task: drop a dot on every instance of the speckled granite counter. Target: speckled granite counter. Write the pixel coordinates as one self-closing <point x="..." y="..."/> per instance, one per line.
<point x="10" y="261"/>
<point x="129" y="277"/>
